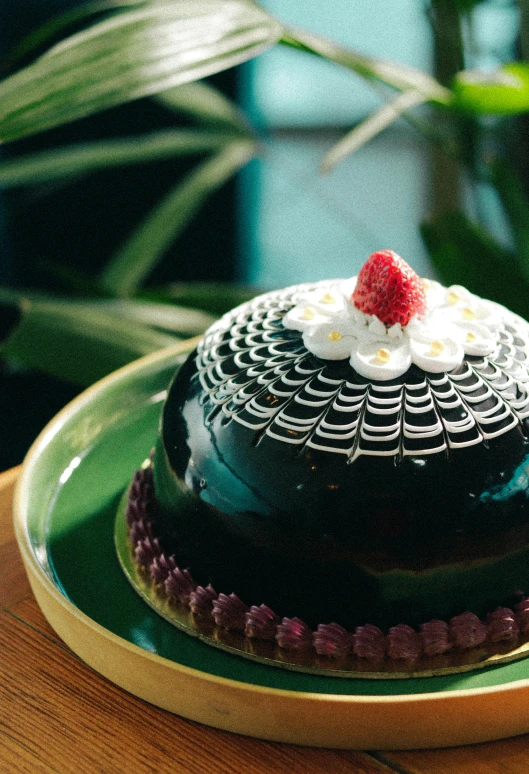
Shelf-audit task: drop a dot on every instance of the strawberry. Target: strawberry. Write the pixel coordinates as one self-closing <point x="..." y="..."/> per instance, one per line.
<point x="388" y="288"/>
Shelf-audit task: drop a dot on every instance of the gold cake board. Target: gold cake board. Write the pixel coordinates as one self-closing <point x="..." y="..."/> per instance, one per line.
<point x="305" y="660"/>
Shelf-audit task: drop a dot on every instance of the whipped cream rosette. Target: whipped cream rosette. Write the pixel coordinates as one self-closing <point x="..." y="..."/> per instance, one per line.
<point x="383" y="364"/>
<point x="455" y="323"/>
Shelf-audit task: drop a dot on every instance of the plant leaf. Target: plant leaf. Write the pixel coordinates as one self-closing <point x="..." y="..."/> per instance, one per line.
<point x="213" y="297"/>
<point x="38" y="37"/>
<point x="376" y="123"/>
<point x="399" y="76"/>
<point x="79" y="159"/>
<point x="77" y="342"/>
<point x="516" y="208"/>
<point x="166" y="317"/>
<point x="145" y="247"/>
<point x="502" y="92"/>
<point x="464" y="254"/>
<point x="206" y="105"/>
<point x="137" y="52"/>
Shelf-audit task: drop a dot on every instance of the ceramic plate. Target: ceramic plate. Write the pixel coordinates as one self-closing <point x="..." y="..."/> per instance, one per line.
<point x="66" y="500"/>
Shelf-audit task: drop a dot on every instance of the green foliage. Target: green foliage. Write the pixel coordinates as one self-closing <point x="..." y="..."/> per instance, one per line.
<point x="516" y="208"/>
<point x="160" y="48"/>
<point x="80" y="159"/>
<point x="466" y="254"/>
<point x="143" y="50"/>
<point x="504" y="91"/>
<point x="398" y="76"/>
<point x="376" y="123"/>
<point x="207" y="106"/>
<point x="81" y="341"/>
<point x="144" y="248"/>
<point x="41" y="36"/>
<point x="217" y="297"/>
<point x="78" y="342"/>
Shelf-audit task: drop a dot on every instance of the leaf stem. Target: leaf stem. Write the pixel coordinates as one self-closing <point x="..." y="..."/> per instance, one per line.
<point x="373" y="125"/>
<point x="398" y="76"/>
<point x="147" y="244"/>
<point x="79" y="159"/>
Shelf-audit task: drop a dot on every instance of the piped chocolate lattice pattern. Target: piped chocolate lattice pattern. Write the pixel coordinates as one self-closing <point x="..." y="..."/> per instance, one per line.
<point x="259" y="373"/>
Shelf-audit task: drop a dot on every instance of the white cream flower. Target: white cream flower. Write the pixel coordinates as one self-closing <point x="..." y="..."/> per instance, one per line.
<point x="330" y="340"/>
<point x="383" y="359"/>
<point x="456" y="323"/>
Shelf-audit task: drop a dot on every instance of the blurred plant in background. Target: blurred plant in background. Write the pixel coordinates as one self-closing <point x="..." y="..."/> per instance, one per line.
<point x="122" y="50"/>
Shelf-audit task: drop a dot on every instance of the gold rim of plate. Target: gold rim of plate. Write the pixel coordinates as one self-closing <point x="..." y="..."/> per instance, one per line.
<point x="381" y="721"/>
<point x="270" y="654"/>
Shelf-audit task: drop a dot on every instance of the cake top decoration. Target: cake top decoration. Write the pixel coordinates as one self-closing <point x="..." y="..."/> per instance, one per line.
<point x="437" y="370"/>
<point x="388" y="318"/>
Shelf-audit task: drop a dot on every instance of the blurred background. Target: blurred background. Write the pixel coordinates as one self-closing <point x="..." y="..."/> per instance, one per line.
<point x="275" y="220"/>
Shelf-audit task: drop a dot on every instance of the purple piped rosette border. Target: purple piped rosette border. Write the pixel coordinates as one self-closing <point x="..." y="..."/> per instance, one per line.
<point x="401" y="642"/>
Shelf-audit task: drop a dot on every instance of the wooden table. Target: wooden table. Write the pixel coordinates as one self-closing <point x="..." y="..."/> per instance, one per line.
<point x="57" y="715"/>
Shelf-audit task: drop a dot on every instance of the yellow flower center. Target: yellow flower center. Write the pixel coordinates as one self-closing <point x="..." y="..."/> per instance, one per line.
<point x="382" y="356"/>
<point x="426" y="283"/>
<point x="328" y="298"/>
<point x="452" y="298"/>
<point x="308" y="314"/>
<point x="335" y="336"/>
<point x="436" y="347"/>
<point x="468" y="314"/>
<point x="471" y="337"/>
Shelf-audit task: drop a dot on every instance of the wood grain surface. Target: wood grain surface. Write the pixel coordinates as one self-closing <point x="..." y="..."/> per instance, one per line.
<point x="58" y="716"/>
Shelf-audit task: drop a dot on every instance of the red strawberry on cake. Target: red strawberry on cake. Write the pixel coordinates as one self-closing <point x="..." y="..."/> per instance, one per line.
<point x="388" y="288"/>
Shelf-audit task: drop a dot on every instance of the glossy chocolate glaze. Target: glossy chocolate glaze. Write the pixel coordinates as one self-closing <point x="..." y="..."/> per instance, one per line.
<point x="379" y="539"/>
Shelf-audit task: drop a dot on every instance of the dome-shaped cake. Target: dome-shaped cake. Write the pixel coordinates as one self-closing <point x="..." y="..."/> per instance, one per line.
<point x="353" y="451"/>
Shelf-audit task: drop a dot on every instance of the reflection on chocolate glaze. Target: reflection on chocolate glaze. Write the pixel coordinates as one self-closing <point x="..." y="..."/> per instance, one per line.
<point x="380" y="502"/>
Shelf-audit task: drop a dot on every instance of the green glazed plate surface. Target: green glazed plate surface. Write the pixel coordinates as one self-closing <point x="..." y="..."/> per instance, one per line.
<point x="73" y="480"/>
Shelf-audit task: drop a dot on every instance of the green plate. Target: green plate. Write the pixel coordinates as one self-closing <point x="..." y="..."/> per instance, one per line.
<point x="84" y="462"/>
<point x="66" y="503"/>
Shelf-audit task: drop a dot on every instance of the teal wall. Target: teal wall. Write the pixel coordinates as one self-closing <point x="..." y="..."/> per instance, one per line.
<point x="297" y="225"/>
<point x="294" y="89"/>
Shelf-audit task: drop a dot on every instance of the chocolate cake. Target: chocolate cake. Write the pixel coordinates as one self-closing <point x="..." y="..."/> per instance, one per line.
<point x="355" y="452"/>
